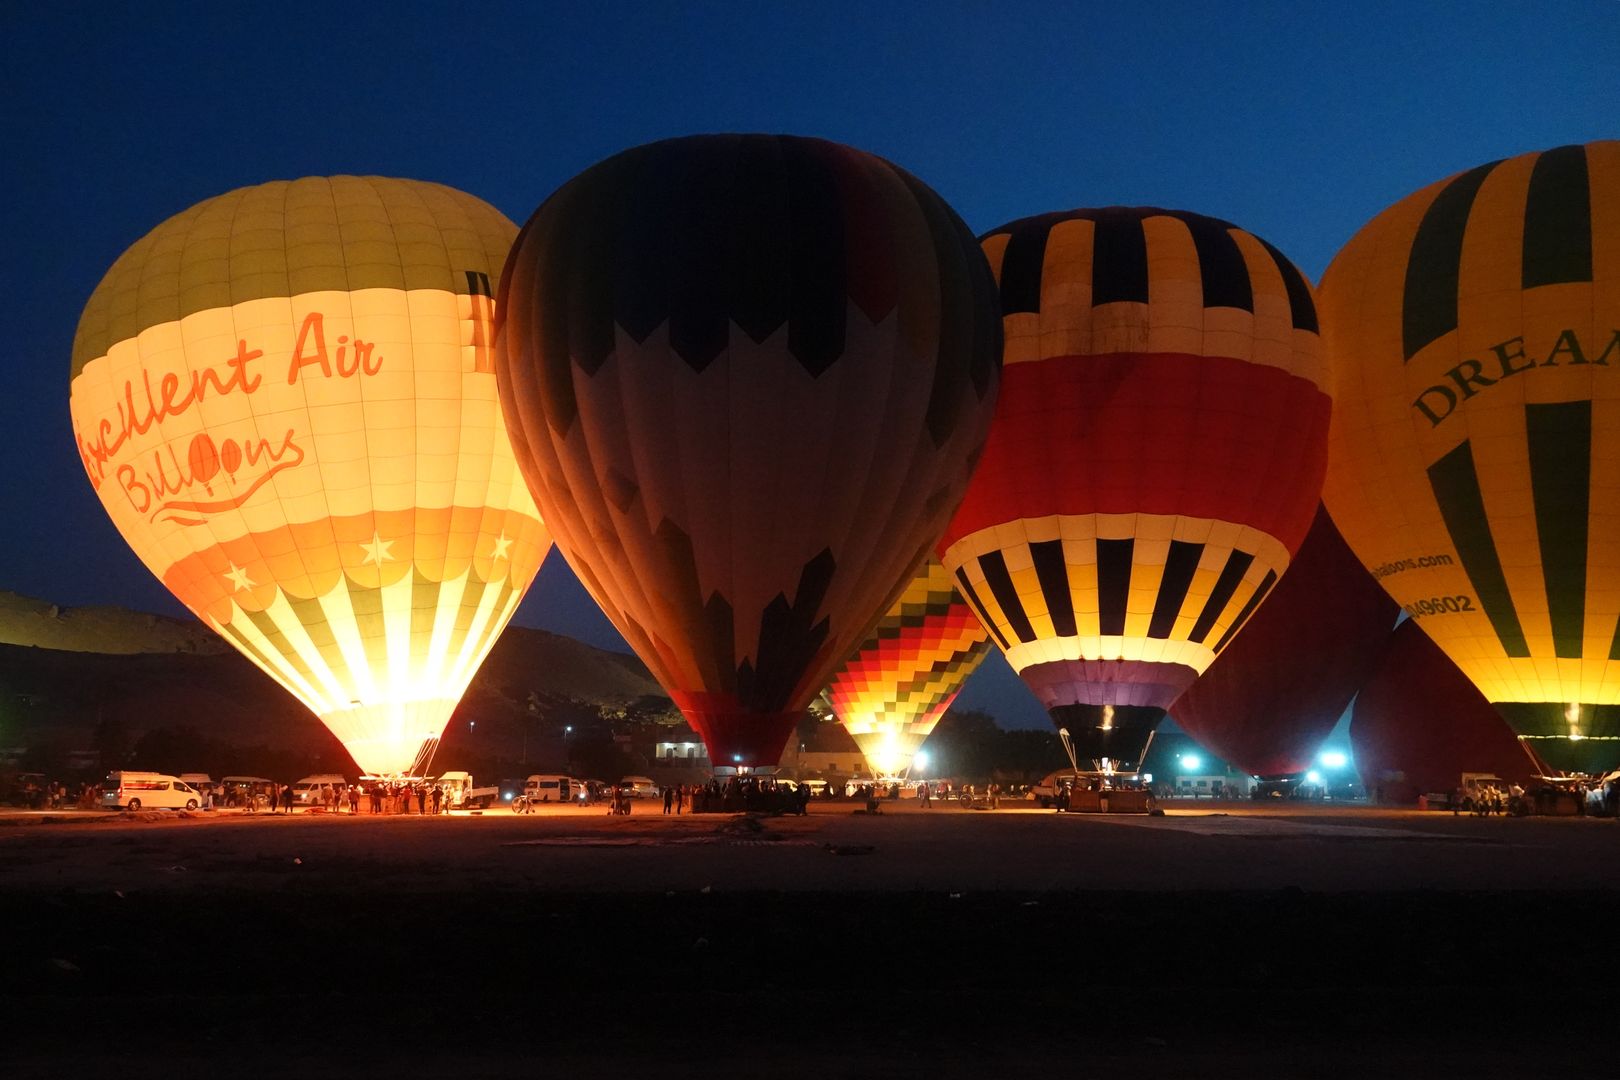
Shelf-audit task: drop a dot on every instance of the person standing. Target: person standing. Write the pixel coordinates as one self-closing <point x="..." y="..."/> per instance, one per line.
<point x="669" y="798"/>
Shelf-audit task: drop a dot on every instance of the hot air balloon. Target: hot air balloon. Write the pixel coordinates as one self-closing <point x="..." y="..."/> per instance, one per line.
<point x="1154" y="463"/>
<point x="1274" y="694"/>
<point x="1475" y="326"/>
<point x="747" y="377"/>
<point x="1419" y="724"/>
<point x="894" y="688"/>
<point x="285" y="399"/>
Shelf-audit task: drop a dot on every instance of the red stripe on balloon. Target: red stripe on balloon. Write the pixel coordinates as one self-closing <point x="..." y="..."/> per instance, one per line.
<point x="1156" y="433"/>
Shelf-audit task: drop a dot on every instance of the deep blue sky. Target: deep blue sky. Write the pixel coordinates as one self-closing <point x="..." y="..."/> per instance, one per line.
<point x="1297" y="120"/>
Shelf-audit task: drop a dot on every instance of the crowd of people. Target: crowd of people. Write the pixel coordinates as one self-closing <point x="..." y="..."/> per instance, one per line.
<point x="374" y="797"/>
<point x="747" y="794"/>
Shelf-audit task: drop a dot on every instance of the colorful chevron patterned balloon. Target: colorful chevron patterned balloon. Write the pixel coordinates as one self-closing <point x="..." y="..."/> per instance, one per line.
<point x="892" y="691"/>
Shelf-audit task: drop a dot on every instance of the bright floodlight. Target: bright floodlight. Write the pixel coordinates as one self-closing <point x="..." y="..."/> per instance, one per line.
<point x="1333" y="759"/>
<point x="920" y="762"/>
<point x="1191" y="762"/>
<point x="1313" y="777"/>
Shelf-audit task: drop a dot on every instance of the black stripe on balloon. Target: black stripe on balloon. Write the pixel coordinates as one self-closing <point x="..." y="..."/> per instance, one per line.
<point x="1179" y="569"/>
<point x="1462" y="508"/>
<point x="1558" y="220"/>
<point x="1001" y="587"/>
<point x="1119" y="267"/>
<point x="1113" y="584"/>
<point x="971" y="595"/>
<point x="1053" y="575"/>
<point x="1237" y="564"/>
<point x="790" y="636"/>
<point x="1021" y="266"/>
<point x="1301" y="308"/>
<point x="477" y="283"/>
<point x="818" y="301"/>
<point x="1253" y="602"/>
<point x="639" y="255"/>
<point x="1614" y="644"/>
<point x="1559" y="438"/>
<point x="1221" y="267"/>
<point x="760" y="264"/>
<point x="1429" y="305"/>
<point x="704" y="185"/>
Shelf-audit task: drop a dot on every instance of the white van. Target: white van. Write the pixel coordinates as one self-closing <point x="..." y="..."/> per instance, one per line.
<point x="640" y="787"/>
<point x="307" y="792"/>
<point x="541" y="788"/>
<point x="148" y="791"/>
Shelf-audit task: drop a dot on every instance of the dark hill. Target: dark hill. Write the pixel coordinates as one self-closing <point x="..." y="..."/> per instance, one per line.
<point x="27" y="621"/>
<point x="86" y="687"/>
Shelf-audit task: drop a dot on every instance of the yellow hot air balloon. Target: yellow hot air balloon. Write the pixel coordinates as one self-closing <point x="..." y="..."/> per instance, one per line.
<point x="285" y="399"/>
<point x="1475" y="448"/>
<point x="892" y="691"/>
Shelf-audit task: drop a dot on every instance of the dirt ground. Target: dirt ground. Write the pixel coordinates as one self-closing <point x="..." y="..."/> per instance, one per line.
<point x="1216" y="940"/>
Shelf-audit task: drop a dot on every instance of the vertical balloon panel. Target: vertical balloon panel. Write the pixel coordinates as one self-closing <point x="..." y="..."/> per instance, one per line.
<point x="1271" y="697"/>
<point x="284" y="399"/>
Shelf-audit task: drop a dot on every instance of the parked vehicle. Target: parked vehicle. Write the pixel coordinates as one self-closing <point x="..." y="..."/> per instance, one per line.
<point x="640" y="787"/>
<point x="201" y="781"/>
<point x="542" y="788"/>
<point x="248" y="792"/>
<point x="124" y="790"/>
<point x="307" y="792"/>
<point x="463" y="794"/>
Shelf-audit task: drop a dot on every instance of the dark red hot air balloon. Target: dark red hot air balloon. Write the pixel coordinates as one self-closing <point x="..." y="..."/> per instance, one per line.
<point x="1420" y="723"/>
<point x="749" y="376"/>
<point x="1269" y="700"/>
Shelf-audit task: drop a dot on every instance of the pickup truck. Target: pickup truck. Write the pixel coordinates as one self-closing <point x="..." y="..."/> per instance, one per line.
<point x="463" y="794"/>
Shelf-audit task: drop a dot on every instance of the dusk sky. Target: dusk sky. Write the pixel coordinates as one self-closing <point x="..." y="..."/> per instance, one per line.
<point x="1297" y="121"/>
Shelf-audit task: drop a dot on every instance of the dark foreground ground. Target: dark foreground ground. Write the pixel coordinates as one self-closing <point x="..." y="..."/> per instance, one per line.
<point x="945" y="943"/>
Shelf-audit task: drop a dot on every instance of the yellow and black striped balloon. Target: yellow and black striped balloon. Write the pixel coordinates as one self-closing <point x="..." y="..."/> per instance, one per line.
<point x="1474" y="463"/>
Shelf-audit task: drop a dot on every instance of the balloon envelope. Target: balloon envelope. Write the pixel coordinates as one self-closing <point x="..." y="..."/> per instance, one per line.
<point x="1155" y="460"/>
<point x="1419" y="724"/>
<point x="892" y="691"/>
<point x="747" y="378"/>
<point x="1475" y="326"/>
<point x="1269" y="700"/>
<point x="285" y="399"/>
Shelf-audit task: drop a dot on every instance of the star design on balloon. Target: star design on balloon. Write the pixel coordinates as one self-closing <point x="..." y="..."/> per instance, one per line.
<point x="503" y="546"/>
<point x="378" y="551"/>
<point x="238" y="576"/>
